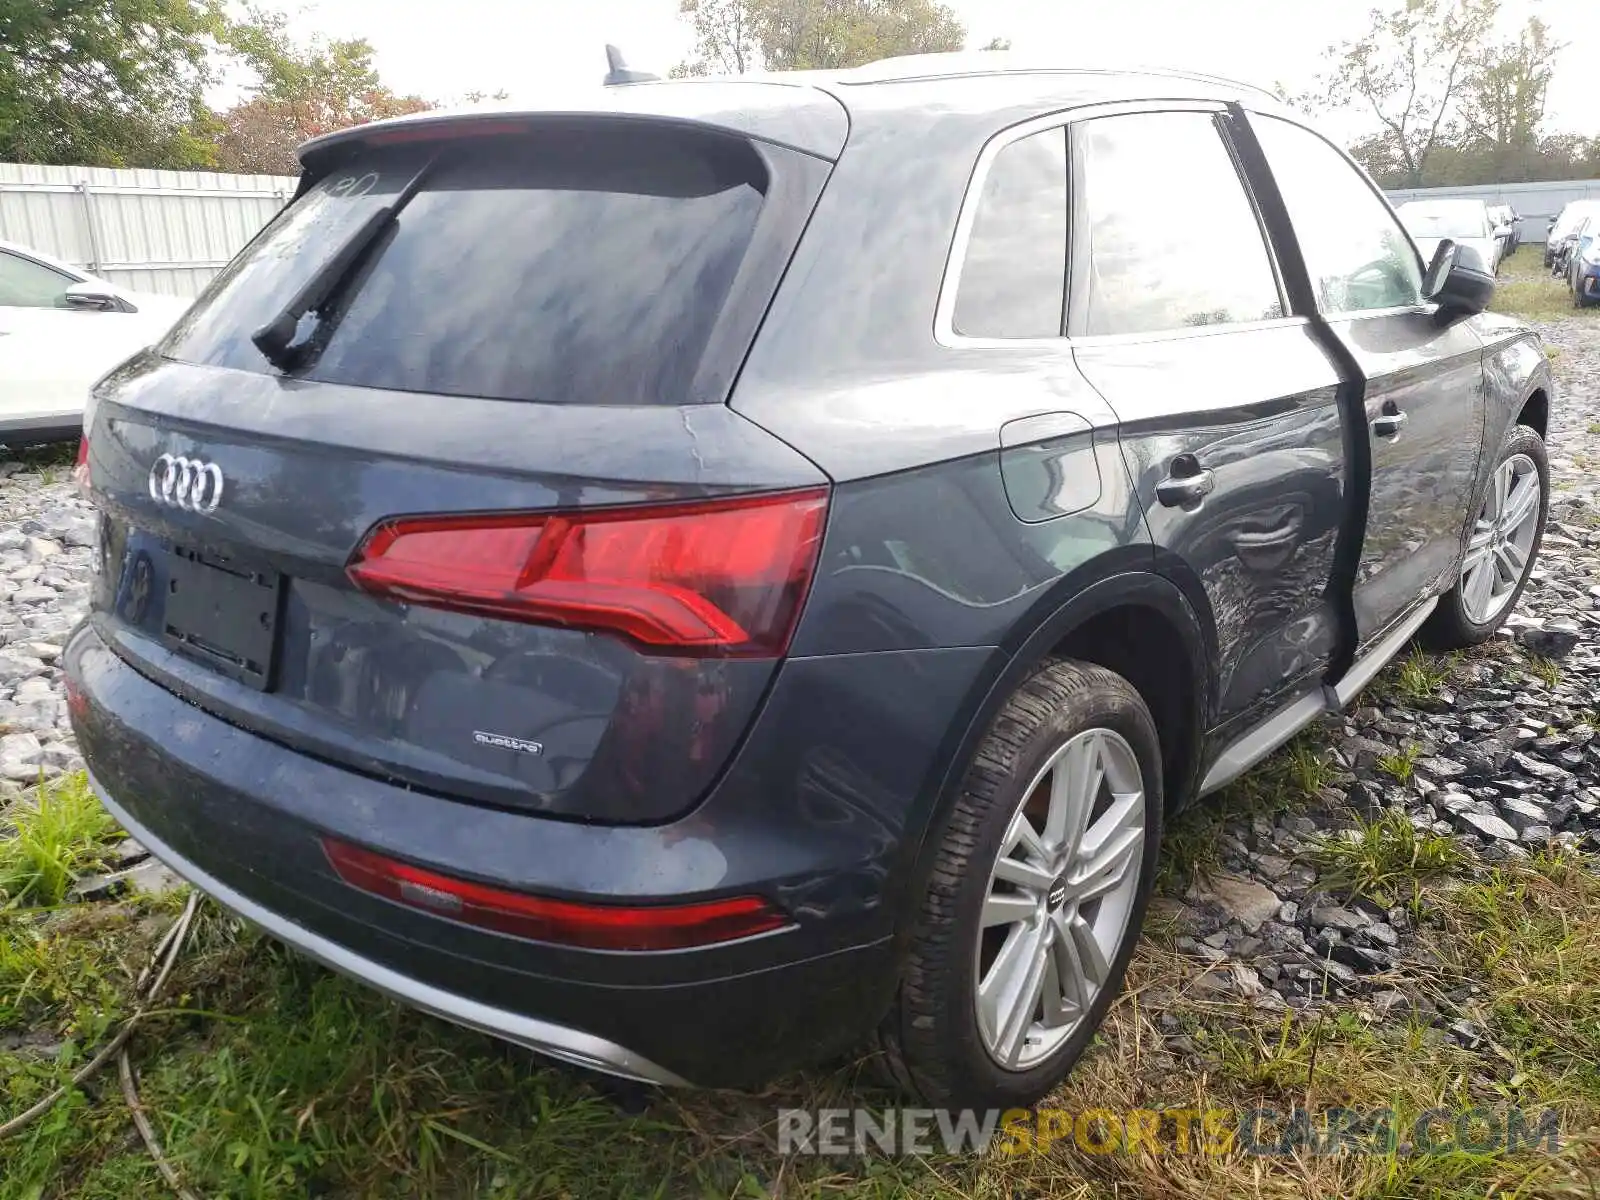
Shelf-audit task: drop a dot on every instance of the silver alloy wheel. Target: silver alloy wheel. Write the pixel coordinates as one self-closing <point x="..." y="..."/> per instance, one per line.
<point x="1501" y="548"/>
<point x="1059" y="897"/>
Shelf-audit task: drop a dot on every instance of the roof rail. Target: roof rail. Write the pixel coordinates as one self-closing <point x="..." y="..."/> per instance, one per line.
<point x="620" y="72"/>
<point x="905" y="68"/>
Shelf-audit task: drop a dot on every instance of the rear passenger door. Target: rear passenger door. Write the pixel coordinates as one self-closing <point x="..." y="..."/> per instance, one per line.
<point x="1425" y="384"/>
<point x="1227" y="405"/>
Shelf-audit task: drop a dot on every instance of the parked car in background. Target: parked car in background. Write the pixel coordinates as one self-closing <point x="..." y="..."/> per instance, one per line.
<point x="1583" y="264"/>
<point x="60" y="330"/>
<point x="1507" y="228"/>
<point x="1564" y="230"/>
<point x="1465" y="222"/>
<point x="576" y="574"/>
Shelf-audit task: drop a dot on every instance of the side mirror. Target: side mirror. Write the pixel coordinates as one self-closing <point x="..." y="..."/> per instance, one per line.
<point x="96" y="297"/>
<point x="1458" y="281"/>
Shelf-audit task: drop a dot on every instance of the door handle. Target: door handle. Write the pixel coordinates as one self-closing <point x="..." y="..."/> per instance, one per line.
<point x="1389" y="423"/>
<point x="1187" y="485"/>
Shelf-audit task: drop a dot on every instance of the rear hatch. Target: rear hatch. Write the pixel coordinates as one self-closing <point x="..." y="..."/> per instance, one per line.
<point x="438" y="480"/>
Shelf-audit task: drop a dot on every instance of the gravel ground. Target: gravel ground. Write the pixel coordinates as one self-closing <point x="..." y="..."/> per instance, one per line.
<point x="46" y="532"/>
<point x="1503" y="758"/>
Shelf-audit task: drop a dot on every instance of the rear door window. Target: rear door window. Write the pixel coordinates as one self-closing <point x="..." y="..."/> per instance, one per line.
<point x="558" y="268"/>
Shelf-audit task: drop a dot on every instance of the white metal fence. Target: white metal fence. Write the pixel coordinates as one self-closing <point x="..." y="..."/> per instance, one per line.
<point x="151" y="231"/>
<point x="1535" y="203"/>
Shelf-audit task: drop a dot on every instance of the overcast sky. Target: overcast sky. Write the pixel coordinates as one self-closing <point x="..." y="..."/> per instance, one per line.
<point x="444" y="48"/>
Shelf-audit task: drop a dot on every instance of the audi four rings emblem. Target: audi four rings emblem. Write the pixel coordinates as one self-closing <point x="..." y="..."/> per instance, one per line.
<point x="187" y="483"/>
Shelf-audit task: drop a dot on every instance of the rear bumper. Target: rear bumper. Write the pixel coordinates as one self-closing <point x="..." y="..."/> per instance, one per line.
<point x="241" y="817"/>
<point x="557" y="1041"/>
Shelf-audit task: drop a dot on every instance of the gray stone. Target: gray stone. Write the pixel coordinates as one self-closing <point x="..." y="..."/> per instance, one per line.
<point x="1441" y="769"/>
<point x="38" y="549"/>
<point x="1335" y="917"/>
<point x="1243" y="900"/>
<point x="1538" y="769"/>
<point x="1485" y="825"/>
<point x="1382" y="933"/>
<point x="1555" y="640"/>
<point x="1389" y="1003"/>
<point x="1271" y="865"/>
<point x="14" y="667"/>
<point x="1362" y="753"/>
<point x="1520" y="813"/>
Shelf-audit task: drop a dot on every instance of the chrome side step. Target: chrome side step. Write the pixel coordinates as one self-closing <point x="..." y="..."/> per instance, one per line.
<point x="1261" y="740"/>
<point x="1369" y="664"/>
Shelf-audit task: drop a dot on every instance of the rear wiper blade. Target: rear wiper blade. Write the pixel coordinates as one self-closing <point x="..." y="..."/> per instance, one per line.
<point x="275" y="339"/>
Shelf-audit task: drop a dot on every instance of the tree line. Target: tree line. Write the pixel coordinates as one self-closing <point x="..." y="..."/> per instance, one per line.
<point x="123" y="83"/>
<point x="1450" y="96"/>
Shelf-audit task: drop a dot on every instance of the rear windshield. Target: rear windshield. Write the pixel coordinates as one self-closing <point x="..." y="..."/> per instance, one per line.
<point x="571" y="266"/>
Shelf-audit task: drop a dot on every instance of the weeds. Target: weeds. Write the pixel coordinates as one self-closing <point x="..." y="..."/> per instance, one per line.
<point x="1401" y="765"/>
<point x="1388" y="859"/>
<point x="1419" y="677"/>
<point x="57" y="833"/>
<point x="1308" y="766"/>
<point x="1547" y="671"/>
<point x="270" y="1077"/>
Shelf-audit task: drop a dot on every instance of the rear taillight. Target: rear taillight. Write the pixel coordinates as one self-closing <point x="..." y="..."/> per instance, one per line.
<point x="722" y="577"/>
<point x="80" y="469"/>
<point x="593" y="926"/>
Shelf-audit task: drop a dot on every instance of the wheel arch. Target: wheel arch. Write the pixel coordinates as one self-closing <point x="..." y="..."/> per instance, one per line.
<point x="1135" y="622"/>
<point x="1535" y="411"/>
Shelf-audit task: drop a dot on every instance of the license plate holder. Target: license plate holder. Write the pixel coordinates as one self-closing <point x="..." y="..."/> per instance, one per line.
<point x="224" y="613"/>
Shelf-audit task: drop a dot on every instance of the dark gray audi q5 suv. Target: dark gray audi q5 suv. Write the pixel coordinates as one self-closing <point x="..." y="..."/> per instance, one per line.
<point x="693" y="580"/>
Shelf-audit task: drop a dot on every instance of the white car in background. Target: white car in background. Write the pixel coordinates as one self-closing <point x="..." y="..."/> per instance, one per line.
<point x="1466" y="222"/>
<point x="60" y="330"/>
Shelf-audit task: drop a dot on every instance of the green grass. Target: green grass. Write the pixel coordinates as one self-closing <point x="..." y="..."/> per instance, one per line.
<point x="56" y="832"/>
<point x="1401" y="765"/>
<point x="1527" y="289"/>
<point x="1388" y="860"/>
<point x="1418" y="677"/>
<point x="268" y="1077"/>
<point x="1545" y="670"/>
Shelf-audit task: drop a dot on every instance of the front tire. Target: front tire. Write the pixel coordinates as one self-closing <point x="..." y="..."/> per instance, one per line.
<point x="1501" y="547"/>
<point x="1037" y="896"/>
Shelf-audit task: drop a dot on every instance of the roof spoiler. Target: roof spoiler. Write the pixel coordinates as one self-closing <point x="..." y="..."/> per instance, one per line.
<point x="620" y="72"/>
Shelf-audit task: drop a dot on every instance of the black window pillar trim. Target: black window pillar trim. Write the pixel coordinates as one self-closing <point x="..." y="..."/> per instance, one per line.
<point x="1352" y="391"/>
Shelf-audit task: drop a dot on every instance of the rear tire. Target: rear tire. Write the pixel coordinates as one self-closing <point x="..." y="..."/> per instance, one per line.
<point x="1479" y="604"/>
<point x="1000" y="899"/>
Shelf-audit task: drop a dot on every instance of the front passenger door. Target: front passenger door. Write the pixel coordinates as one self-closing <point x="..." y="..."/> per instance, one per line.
<point x="1425" y="404"/>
